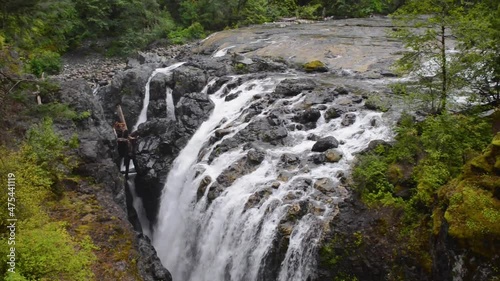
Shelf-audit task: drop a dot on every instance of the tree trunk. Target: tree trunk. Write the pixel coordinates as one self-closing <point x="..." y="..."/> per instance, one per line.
<point x="444" y="86"/>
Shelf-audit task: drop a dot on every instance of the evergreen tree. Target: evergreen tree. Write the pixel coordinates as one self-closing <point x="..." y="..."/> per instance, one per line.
<point x="452" y="45"/>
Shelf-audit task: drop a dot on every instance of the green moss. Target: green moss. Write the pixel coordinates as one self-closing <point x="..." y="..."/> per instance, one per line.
<point x="474" y="216"/>
<point x="241" y="68"/>
<point x="315" y="66"/>
<point x="496" y="140"/>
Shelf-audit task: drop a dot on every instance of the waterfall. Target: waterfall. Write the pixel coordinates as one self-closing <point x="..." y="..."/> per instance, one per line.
<point x="228" y="239"/>
<point x="170" y="105"/>
<point x="136" y="200"/>
<point x="143" y="116"/>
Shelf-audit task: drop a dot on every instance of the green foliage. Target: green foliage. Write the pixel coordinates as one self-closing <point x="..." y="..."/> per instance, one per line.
<point x="240" y="68"/>
<point x="74" y="141"/>
<point x="370" y="175"/>
<point x="425" y="156"/>
<point x="181" y="36"/>
<point x="467" y="224"/>
<point x="82" y="116"/>
<point x="49" y="252"/>
<point x="425" y="27"/>
<point x="44" y="248"/>
<point x="45" y="62"/>
<point x="47" y="150"/>
<point x="57" y="111"/>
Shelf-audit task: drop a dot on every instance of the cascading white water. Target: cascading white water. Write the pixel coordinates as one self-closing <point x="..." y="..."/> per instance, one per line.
<point x="170" y="105"/>
<point x="227" y="240"/>
<point x="143" y="116"/>
<point x="222" y="52"/>
<point x="136" y="200"/>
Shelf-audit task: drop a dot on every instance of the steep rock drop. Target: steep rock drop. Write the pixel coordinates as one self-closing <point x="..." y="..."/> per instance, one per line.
<point x="262" y="222"/>
<point x="252" y="167"/>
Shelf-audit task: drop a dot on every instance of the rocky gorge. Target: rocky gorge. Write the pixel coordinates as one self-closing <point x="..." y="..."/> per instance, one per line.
<point x="245" y="144"/>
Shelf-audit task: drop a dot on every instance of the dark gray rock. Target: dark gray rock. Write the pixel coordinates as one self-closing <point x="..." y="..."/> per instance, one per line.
<point x="204" y="183"/>
<point x="150" y="265"/>
<point x="289" y="161"/>
<point x="348" y="119"/>
<point x="265" y="129"/>
<point x="312" y="137"/>
<point x="232" y="96"/>
<point x="331" y="113"/>
<point x="188" y="79"/>
<point x="324" y="144"/>
<point x="293" y="87"/>
<point x="241" y="167"/>
<point x="147" y="57"/>
<point x="218" y="84"/>
<point x="318" y="158"/>
<point x="159" y="143"/>
<point x="325" y="185"/>
<point x="193" y="109"/>
<point x="256" y="198"/>
<point x="307" y="116"/>
<point x="320" y="97"/>
<point x="374" y="144"/>
<point x="126" y="89"/>
<point x="100" y="162"/>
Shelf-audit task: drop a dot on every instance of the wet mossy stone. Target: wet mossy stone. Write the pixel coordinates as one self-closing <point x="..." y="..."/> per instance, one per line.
<point x="315" y="66"/>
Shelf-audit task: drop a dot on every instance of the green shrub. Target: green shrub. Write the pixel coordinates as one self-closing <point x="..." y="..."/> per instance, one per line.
<point x="309" y="11"/>
<point x="433" y="151"/>
<point x="370" y="174"/>
<point x="44" y="249"/>
<point x="49" y="253"/>
<point x="45" y="62"/>
<point x="47" y="150"/>
<point x="181" y="36"/>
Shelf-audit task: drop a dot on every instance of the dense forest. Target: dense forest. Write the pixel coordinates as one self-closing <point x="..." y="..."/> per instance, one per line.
<point x="42" y="30"/>
<point x="444" y="169"/>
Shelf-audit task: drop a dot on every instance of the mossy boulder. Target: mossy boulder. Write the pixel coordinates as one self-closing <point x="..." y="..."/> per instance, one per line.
<point x="315" y="66"/>
<point x="473" y="204"/>
<point x="489" y="161"/>
<point x="473" y="216"/>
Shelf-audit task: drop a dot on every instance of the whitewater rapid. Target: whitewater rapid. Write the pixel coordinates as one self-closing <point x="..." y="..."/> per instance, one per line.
<point x="225" y="240"/>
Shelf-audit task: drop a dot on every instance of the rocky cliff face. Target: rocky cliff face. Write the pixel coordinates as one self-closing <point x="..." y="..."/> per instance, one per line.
<point x="308" y="122"/>
<point x="98" y="154"/>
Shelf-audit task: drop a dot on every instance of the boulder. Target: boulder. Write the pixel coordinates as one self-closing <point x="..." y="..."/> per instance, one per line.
<point x="307" y="116"/>
<point x="325" y="185"/>
<point x="293" y="87"/>
<point x="315" y="66"/>
<point x="318" y="158"/>
<point x="331" y="113"/>
<point x="289" y="160"/>
<point x="126" y="89"/>
<point x="325" y="143"/>
<point x="348" y="119"/>
<point x="333" y="155"/>
<point x="188" y="79"/>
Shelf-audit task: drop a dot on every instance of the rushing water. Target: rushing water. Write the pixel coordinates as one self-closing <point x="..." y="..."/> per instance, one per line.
<point x="136" y="200"/>
<point x="143" y="116"/>
<point x="226" y="240"/>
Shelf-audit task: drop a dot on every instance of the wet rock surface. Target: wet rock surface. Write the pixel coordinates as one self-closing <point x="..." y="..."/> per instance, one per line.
<point x="98" y="153"/>
<point x="325" y="143"/>
<point x="289" y="114"/>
